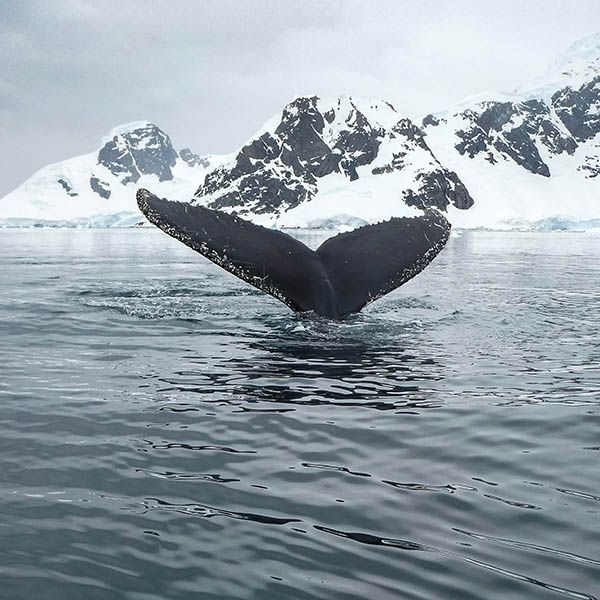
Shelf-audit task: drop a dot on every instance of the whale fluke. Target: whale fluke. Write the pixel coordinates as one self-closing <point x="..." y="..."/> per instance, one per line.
<point x="343" y="275"/>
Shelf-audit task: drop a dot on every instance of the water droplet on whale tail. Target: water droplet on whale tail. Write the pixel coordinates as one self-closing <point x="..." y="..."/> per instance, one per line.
<point x="344" y="274"/>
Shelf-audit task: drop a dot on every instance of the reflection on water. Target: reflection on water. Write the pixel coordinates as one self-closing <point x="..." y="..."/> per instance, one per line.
<point x="168" y="432"/>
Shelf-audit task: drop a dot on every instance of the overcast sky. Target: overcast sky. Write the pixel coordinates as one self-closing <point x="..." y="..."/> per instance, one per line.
<point x="210" y="73"/>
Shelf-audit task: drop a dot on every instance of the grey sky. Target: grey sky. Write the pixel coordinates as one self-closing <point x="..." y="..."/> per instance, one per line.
<point x="210" y="73"/>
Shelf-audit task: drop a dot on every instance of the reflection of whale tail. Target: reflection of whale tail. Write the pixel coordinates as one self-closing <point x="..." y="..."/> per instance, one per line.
<point x="346" y="272"/>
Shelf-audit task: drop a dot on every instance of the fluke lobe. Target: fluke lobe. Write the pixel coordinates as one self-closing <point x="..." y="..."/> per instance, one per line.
<point x="343" y="275"/>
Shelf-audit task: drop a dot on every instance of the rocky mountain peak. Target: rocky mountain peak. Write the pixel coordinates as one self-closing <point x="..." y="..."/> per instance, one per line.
<point x="579" y="109"/>
<point x="313" y="138"/>
<point x="526" y="131"/>
<point x="137" y="149"/>
<point x="530" y="154"/>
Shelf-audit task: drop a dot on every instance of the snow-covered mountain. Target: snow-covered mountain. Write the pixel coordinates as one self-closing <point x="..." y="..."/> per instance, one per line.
<point x="530" y="158"/>
<point x="323" y="158"/>
<point x="99" y="188"/>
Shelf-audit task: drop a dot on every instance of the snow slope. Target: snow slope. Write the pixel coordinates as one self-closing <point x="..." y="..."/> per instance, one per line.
<point x="507" y="194"/>
<point x="532" y="158"/>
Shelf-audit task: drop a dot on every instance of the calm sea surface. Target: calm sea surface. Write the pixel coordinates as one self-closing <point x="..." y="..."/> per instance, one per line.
<point x="167" y="432"/>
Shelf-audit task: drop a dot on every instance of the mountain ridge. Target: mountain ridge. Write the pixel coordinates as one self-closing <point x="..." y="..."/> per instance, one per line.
<point x="495" y="160"/>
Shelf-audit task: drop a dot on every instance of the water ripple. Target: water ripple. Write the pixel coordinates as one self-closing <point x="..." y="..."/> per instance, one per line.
<point x="168" y="432"/>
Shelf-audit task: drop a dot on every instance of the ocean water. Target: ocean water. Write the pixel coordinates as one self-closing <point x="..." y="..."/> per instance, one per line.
<point x="168" y="432"/>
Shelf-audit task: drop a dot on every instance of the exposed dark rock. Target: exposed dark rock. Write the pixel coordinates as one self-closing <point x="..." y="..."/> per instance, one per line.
<point x="263" y="148"/>
<point x="591" y="166"/>
<point x="325" y="165"/>
<point x="397" y="164"/>
<point x="300" y="129"/>
<point x="438" y="189"/>
<point x="430" y="120"/>
<point x="579" y="109"/>
<point x="117" y="158"/>
<point x="280" y="169"/>
<point x="193" y="160"/>
<point x="512" y="130"/>
<point x="329" y="116"/>
<point x="67" y="187"/>
<point x="263" y="194"/>
<point x="539" y="121"/>
<point x="517" y="144"/>
<point x="359" y="144"/>
<point x="409" y="130"/>
<point x="276" y="170"/>
<point x="100" y="187"/>
<point x="145" y="150"/>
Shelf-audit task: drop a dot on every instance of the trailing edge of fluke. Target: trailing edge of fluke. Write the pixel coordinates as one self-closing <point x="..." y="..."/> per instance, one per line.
<point x="339" y="278"/>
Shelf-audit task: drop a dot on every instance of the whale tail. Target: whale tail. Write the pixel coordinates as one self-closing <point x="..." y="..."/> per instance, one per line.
<point x="343" y="275"/>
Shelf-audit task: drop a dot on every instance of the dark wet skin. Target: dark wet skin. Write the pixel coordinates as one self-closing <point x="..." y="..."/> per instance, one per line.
<point x="342" y="276"/>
